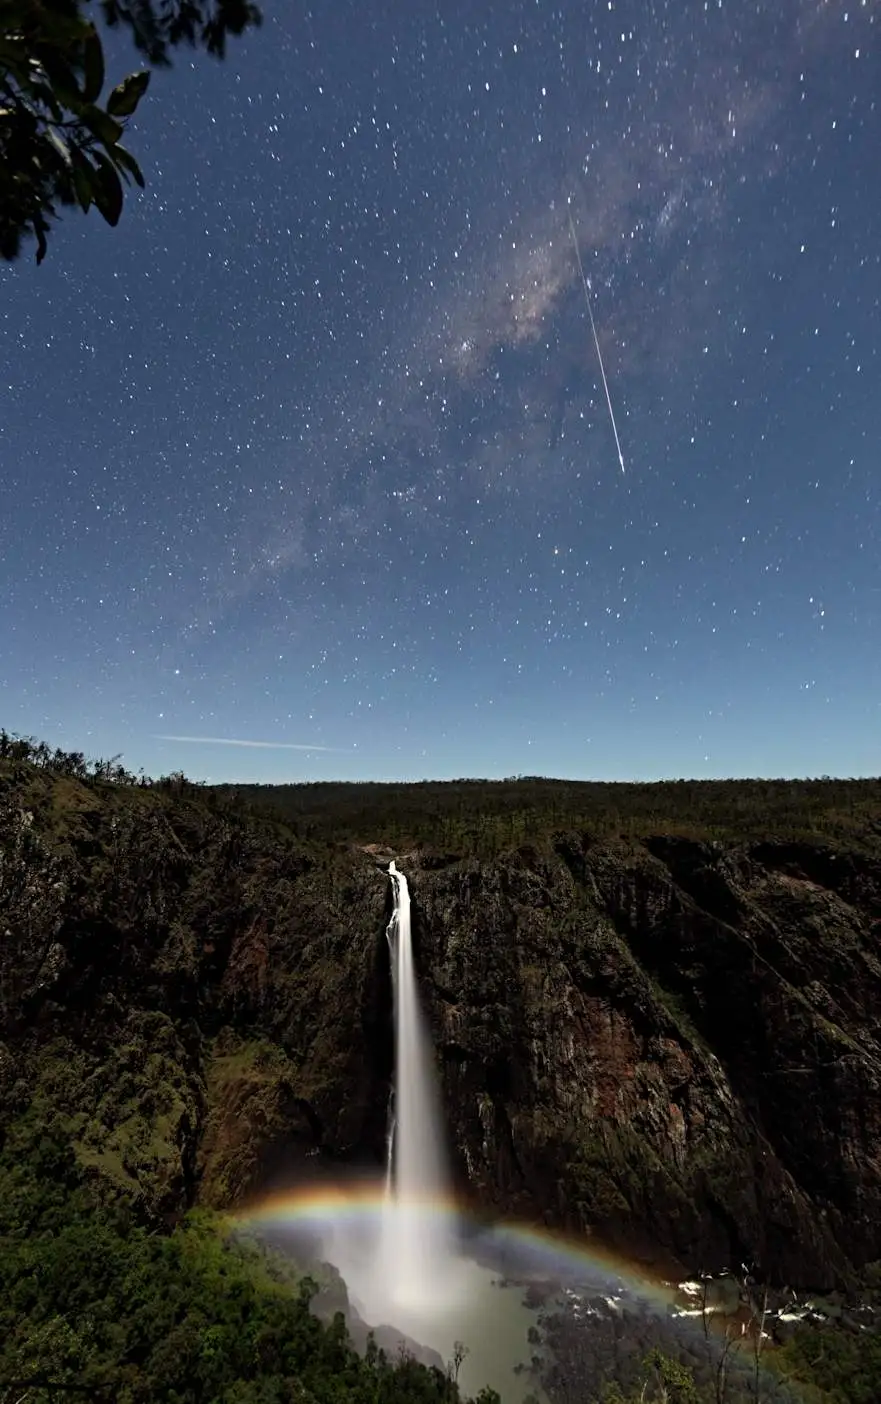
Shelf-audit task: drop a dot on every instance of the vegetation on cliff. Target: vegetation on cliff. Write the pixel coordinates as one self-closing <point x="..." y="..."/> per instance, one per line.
<point x="655" y="1023"/>
<point x="93" y="1304"/>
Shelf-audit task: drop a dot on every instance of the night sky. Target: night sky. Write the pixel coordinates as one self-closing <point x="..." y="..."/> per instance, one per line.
<point x="312" y="451"/>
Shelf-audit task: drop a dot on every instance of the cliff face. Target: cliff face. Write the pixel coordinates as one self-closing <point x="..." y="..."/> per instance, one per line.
<point x="675" y="1043"/>
<point x="670" y="1043"/>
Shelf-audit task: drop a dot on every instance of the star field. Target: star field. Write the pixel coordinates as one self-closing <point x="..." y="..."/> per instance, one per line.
<point x="313" y="449"/>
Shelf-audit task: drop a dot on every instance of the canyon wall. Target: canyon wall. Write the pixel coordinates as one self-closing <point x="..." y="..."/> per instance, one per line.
<point x="669" y="1043"/>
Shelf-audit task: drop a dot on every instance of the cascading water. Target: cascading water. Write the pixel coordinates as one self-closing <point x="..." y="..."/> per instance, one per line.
<point x="412" y="1276"/>
<point x="416" y="1256"/>
<point x="409" y="1274"/>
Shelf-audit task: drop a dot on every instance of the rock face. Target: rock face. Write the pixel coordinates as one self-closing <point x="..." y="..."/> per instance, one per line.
<point x="672" y="1044"/>
<point x="675" y="1044"/>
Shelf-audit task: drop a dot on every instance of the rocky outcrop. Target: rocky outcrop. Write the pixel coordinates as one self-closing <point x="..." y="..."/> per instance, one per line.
<point x="669" y="1043"/>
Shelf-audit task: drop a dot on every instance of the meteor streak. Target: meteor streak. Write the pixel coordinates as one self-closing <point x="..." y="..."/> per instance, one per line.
<point x="586" y="285"/>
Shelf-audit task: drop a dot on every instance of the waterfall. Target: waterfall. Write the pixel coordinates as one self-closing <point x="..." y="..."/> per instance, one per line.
<point x="389" y="1154"/>
<point x="407" y="1270"/>
<point x="416" y="1253"/>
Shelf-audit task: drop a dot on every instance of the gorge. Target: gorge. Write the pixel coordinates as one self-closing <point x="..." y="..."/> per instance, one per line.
<point x="660" y="1035"/>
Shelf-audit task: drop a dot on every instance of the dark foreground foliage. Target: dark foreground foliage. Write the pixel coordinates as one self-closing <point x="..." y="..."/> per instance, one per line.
<point x="91" y="1301"/>
<point x="60" y="133"/>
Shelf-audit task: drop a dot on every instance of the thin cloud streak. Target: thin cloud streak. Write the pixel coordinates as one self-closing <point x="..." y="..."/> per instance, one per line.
<point x="255" y="745"/>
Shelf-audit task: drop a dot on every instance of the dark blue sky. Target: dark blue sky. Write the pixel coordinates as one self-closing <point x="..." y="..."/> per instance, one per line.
<point x="313" y="450"/>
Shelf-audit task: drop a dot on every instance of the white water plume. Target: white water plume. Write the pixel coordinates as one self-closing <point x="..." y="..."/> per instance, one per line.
<point x="407" y="1272"/>
<point x="417" y="1256"/>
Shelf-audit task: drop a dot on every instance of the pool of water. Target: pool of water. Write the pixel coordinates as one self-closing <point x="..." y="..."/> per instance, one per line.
<point x="470" y="1304"/>
<point x="538" y="1316"/>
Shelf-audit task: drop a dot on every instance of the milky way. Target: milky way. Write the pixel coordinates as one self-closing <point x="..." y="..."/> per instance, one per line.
<point x="313" y="448"/>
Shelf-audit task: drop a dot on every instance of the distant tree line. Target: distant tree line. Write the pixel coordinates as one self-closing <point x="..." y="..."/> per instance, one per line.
<point x="486" y="817"/>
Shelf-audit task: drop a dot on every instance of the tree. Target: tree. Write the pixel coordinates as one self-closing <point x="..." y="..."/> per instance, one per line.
<point x="460" y="1350"/>
<point x="58" y="144"/>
